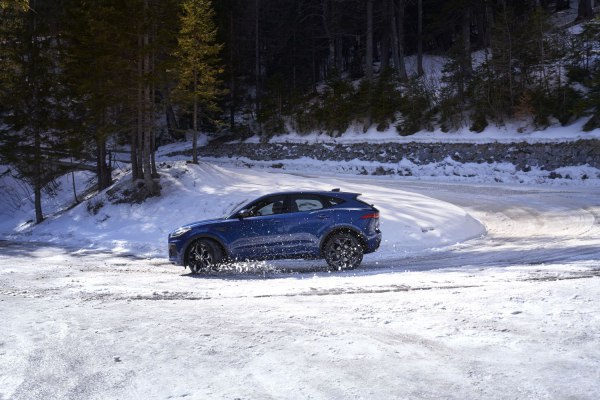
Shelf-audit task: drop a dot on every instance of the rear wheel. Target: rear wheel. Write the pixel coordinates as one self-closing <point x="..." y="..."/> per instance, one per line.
<point x="343" y="251"/>
<point x="203" y="255"/>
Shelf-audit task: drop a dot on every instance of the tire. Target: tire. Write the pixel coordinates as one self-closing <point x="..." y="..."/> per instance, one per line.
<point x="343" y="251"/>
<point x="203" y="255"/>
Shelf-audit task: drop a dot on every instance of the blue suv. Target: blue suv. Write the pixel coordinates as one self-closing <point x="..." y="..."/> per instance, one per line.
<point x="332" y="225"/>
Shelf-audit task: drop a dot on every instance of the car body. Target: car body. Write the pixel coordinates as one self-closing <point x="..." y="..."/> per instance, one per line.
<point x="333" y="225"/>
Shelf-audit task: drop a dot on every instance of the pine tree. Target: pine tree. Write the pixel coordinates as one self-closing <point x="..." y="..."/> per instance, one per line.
<point x="198" y="64"/>
<point x="30" y="92"/>
<point x="115" y="63"/>
<point x="96" y="73"/>
<point x="591" y="102"/>
<point x="22" y="5"/>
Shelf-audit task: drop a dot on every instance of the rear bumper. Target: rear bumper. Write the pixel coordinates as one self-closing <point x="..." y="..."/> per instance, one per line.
<point x="373" y="242"/>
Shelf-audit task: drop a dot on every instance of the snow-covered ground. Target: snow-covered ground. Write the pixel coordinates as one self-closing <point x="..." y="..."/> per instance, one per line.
<point x="480" y="290"/>
<point x="447" y="170"/>
<point x="514" y="131"/>
<point x="115" y="328"/>
<point x="412" y="222"/>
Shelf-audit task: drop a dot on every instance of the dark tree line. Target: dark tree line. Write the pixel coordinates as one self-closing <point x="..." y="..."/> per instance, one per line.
<point x="79" y="77"/>
<point x="288" y="59"/>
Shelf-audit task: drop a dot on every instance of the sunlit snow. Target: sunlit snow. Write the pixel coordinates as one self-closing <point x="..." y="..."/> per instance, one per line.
<point x="480" y="290"/>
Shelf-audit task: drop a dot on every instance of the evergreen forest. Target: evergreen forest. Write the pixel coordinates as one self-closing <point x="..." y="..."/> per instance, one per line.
<point x="81" y="80"/>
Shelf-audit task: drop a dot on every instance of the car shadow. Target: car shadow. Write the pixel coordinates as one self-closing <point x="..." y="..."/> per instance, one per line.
<point x="445" y="260"/>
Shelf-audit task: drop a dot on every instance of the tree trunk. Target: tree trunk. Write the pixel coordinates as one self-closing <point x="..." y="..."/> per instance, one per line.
<point x="136" y="110"/>
<point x="420" y="70"/>
<point x="153" y="170"/>
<point x="509" y="43"/>
<point x="73" y="185"/>
<point x="400" y="21"/>
<point x="135" y="172"/>
<point x="257" y="54"/>
<point x="145" y="111"/>
<point x="489" y="23"/>
<point x="195" y="122"/>
<point x="37" y="194"/>
<point x="327" y="19"/>
<point x="385" y="52"/>
<point x="231" y="73"/>
<point x="339" y="61"/>
<point x="102" y="169"/>
<point x="313" y="61"/>
<point x="394" y="34"/>
<point x="148" y="123"/>
<point x="369" y="42"/>
<point x="137" y="155"/>
<point x="466" y="41"/>
<point x="585" y="10"/>
<point x="36" y="117"/>
<point x="294" y="66"/>
<point x="542" y="47"/>
<point x="563" y="5"/>
<point x="153" y="158"/>
<point x="172" y="122"/>
<point x="37" y="178"/>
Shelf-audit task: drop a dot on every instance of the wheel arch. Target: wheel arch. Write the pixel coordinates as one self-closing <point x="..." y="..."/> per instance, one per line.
<point x="343" y="229"/>
<point x="208" y="236"/>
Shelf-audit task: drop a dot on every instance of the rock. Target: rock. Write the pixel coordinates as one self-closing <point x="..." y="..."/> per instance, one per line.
<point x="547" y="156"/>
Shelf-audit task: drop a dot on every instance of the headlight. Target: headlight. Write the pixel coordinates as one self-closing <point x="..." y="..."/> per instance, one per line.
<point x="180" y="232"/>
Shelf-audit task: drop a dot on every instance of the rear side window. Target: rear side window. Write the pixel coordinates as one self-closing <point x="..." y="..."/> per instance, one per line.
<point x="330" y="201"/>
<point x="312" y="202"/>
<point x="307" y="203"/>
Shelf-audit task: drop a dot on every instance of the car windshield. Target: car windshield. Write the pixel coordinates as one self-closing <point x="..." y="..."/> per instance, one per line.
<point x="237" y="207"/>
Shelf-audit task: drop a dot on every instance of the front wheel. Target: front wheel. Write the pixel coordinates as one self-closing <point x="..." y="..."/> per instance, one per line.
<point x="203" y="255"/>
<point x="343" y="251"/>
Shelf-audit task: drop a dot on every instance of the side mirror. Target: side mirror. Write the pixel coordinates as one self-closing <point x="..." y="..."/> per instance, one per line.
<point x="244" y="214"/>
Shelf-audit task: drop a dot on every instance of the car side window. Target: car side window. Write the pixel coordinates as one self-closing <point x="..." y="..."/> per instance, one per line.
<point x="330" y="201"/>
<point x="302" y="203"/>
<point x="270" y="206"/>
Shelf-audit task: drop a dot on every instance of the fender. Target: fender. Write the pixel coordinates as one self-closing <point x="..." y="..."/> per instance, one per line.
<point x="342" y="227"/>
<point x="206" y="235"/>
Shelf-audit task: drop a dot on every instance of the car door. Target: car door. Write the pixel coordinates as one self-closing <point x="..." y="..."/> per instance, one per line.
<point x="262" y="234"/>
<point x="311" y="216"/>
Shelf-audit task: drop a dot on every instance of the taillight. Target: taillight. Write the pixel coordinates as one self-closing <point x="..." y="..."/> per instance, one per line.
<point x="370" y="216"/>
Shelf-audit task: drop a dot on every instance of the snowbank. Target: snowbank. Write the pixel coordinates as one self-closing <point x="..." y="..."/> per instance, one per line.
<point x="511" y="132"/>
<point x="410" y="222"/>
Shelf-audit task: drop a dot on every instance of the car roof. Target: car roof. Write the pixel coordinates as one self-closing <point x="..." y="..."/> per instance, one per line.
<point x="317" y="192"/>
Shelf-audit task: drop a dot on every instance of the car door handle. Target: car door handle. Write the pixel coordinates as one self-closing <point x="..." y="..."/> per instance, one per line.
<point x="322" y="216"/>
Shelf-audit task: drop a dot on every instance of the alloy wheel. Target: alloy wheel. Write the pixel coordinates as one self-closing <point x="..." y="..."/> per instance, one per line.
<point x="201" y="256"/>
<point x="343" y="251"/>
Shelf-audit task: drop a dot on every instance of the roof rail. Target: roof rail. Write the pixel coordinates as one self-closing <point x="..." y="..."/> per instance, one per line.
<point x="335" y="190"/>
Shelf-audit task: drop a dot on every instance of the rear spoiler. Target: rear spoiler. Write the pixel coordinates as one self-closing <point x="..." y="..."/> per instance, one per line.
<point x="337" y="190"/>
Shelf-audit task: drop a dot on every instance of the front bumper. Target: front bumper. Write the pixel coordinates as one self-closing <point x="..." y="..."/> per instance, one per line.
<point x="176" y="252"/>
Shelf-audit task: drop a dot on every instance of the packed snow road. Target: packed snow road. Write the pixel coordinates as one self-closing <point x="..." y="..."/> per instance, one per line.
<point x="525" y="226"/>
<point x="513" y="314"/>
